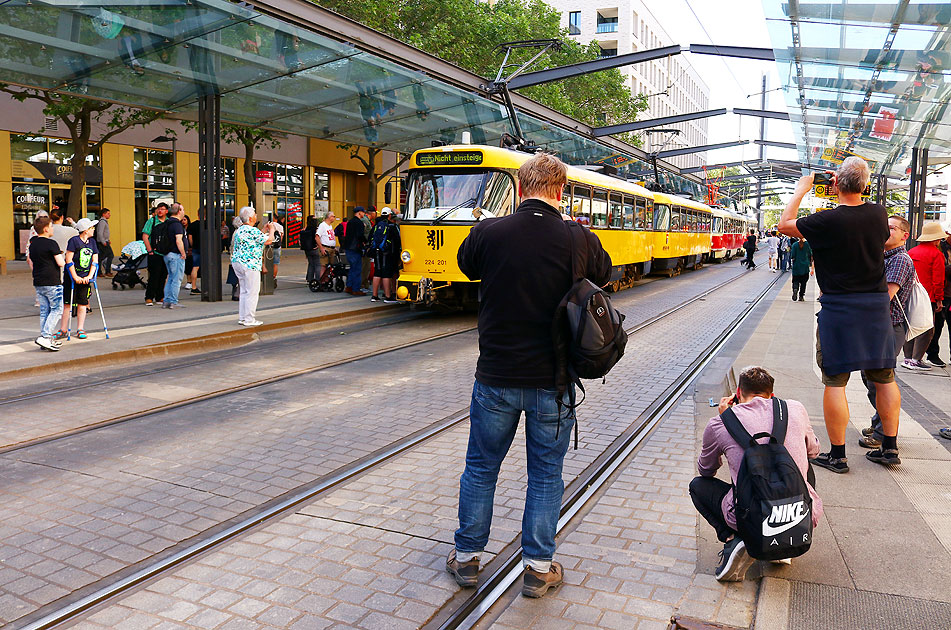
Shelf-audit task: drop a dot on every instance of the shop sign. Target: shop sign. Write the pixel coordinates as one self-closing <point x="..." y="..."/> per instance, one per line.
<point x="54" y="173"/>
<point x="264" y="177"/>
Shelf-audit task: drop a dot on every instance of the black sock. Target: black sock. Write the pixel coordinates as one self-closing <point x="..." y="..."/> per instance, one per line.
<point x="889" y="441"/>
<point x="837" y="452"/>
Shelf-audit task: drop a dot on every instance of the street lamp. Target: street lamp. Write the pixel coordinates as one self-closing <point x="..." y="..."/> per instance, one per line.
<point x="171" y="139"/>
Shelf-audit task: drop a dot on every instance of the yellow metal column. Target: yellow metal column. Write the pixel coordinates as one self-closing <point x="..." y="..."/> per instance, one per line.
<point x="118" y="192"/>
<point x="7" y="237"/>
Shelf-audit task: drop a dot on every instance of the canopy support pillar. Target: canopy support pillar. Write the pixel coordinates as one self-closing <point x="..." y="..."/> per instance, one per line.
<point x="209" y="187"/>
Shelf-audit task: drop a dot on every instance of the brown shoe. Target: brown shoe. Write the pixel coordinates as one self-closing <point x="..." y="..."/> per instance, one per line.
<point x="466" y="574"/>
<point x="348" y="290"/>
<point x="536" y="584"/>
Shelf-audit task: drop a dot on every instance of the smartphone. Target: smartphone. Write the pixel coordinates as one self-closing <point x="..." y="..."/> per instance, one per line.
<point x="823" y="179"/>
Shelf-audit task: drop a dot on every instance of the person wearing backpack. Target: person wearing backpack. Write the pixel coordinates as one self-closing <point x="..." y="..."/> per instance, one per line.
<point x="385" y="248"/>
<point x="753" y="406"/>
<point x="155" y="288"/>
<point x="524" y="264"/>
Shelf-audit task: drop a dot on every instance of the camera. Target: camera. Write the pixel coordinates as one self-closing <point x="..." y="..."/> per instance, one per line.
<point x="823" y="179"/>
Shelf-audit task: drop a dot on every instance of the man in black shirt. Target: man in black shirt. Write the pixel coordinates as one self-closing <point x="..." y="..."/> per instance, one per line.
<point x="354" y="243"/>
<point x="523" y="263"/>
<point x="854" y="326"/>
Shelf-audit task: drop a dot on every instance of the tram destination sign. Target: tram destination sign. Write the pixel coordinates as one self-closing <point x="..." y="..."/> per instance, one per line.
<point x="449" y="158"/>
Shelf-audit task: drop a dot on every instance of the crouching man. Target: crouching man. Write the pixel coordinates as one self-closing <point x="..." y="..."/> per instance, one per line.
<point x="713" y="497"/>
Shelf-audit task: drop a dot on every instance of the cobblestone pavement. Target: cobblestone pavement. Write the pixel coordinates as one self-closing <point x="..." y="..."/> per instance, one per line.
<point x="37" y="418"/>
<point x="370" y="554"/>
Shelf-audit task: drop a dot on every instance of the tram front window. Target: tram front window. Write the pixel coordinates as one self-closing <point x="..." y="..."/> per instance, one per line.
<point x="459" y="197"/>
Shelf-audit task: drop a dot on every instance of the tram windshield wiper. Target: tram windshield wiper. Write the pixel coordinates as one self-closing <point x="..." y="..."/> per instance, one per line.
<point x="445" y="214"/>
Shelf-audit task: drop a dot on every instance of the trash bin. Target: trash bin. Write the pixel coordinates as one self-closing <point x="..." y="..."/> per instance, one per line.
<point x="267" y="272"/>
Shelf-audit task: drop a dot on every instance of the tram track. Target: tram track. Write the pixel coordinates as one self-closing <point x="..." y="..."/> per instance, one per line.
<point x="580" y="489"/>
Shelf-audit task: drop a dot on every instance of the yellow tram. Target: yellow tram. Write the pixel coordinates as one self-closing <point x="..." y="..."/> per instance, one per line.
<point x="451" y="188"/>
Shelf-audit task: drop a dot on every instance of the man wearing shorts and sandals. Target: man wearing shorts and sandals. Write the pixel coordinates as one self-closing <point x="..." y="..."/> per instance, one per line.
<point x="854" y="326"/>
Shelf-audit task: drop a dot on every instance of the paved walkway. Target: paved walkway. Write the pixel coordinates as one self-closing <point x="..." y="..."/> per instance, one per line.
<point x="137" y="331"/>
<point x="882" y="552"/>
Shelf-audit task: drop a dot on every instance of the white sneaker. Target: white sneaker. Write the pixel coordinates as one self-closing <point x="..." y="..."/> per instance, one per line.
<point x="188" y="285"/>
<point x="911" y="364"/>
<point x="253" y="322"/>
<point x="46" y="343"/>
<point x="923" y="366"/>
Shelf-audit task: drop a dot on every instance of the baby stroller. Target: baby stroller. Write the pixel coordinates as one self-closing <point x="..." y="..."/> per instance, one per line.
<point x="334" y="277"/>
<point x="132" y="258"/>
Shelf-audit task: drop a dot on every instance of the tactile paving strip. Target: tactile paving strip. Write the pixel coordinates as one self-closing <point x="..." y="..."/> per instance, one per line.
<point x="814" y="606"/>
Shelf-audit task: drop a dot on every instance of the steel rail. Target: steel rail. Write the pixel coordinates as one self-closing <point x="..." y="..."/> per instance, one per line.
<point x="596" y="476"/>
<point x="280" y="506"/>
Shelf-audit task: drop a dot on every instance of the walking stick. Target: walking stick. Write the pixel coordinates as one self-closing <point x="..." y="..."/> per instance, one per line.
<point x="69" y="318"/>
<point x="95" y="285"/>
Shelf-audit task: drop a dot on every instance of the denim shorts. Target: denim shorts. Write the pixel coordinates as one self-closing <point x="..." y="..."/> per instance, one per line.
<point x="277" y="255"/>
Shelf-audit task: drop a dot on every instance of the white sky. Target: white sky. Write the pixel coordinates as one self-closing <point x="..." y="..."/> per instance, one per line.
<point x="731" y="80"/>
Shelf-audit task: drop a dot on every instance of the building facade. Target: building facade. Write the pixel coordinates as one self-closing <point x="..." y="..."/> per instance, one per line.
<point x="135" y="170"/>
<point x="671" y="84"/>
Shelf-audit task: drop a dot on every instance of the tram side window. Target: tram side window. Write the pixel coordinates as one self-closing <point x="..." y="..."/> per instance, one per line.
<point x="599" y="210"/>
<point x="640" y="218"/>
<point x="615" y="216"/>
<point x="649" y="217"/>
<point x="581" y="205"/>
<point x="566" y="200"/>
<point x="630" y="219"/>
<point x="674" y="219"/>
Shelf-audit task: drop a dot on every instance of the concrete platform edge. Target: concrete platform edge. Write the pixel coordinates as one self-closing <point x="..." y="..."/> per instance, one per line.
<point x="772" y="604"/>
<point x="198" y="345"/>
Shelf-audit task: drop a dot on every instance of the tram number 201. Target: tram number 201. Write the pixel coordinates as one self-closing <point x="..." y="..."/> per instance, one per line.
<point x="430" y="262"/>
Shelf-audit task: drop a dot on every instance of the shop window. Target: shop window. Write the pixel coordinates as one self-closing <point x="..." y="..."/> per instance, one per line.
<point x="289" y="200"/>
<point x="228" y="197"/>
<point x="321" y="193"/>
<point x="154" y="182"/>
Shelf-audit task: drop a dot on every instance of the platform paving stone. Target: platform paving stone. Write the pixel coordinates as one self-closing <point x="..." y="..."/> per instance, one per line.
<point x="408" y="504"/>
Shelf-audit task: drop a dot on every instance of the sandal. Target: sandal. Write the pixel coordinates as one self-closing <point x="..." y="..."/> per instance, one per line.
<point x="81" y="334"/>
<point x="60" y="335"/>
<point x="884" y="456"/>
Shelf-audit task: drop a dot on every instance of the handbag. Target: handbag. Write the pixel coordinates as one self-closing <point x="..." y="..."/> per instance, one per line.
<point x="919" y="316"/>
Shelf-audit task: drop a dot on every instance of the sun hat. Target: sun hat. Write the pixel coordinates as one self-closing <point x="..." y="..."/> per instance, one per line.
<point x="931" y="232"/>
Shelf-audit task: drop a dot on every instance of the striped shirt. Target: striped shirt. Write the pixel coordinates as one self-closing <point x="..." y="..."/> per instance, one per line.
<point x="900" y="270"/>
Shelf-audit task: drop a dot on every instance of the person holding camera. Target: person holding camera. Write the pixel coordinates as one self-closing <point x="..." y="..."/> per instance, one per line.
<point x="854" y="325"/>
<point x="247" y="251"/>
<point x="713" y="497"/>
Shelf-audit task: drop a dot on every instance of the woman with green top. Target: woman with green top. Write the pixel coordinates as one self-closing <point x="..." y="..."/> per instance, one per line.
<point x="247" y="250"/>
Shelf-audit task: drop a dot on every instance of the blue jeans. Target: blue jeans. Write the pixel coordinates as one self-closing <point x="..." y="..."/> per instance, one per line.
<point x="494" y="415"/>
<point x="355" y="260"/>
<point x="176" y="271"/>
<point x="51" y="308"/>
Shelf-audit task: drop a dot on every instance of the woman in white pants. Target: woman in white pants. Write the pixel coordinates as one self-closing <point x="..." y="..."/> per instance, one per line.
<point x="247" y="250"/>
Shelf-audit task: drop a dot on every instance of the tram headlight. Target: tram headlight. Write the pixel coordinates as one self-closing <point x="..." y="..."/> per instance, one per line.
<point x="406" y="256"/>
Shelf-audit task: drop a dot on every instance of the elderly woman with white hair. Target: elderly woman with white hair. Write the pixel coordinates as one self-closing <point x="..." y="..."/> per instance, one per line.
<point x="247" y="250"/>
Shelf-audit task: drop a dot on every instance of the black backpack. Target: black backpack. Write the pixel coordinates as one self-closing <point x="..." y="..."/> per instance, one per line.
<point x="772" y="504"/>
<point x="381" y="241"/>
<point x="161" y="243"/>
<point x="597" y="338"/>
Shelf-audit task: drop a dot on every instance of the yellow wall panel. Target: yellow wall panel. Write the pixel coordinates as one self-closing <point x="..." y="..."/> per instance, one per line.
<point x="7" y="237"/>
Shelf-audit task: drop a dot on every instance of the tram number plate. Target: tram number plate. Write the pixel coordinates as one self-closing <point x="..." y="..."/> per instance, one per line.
<point x="431" y="262"/>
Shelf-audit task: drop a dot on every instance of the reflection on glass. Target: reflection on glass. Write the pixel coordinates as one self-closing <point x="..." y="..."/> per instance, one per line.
<point x="447" y="196"/>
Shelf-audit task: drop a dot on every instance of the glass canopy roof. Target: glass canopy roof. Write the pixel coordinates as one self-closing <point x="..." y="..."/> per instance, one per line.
<point x="868" y="78"/>
<point x="164" y="54"/>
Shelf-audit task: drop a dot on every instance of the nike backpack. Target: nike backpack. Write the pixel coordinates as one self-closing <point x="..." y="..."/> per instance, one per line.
<point x="772" y="504"/>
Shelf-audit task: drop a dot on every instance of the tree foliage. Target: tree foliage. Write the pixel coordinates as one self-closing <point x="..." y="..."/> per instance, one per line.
<point x="467" y="33"/>
<point x="81" y="116"/>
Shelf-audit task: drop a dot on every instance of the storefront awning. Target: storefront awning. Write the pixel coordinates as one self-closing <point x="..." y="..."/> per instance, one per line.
<point x="867" y="78"/>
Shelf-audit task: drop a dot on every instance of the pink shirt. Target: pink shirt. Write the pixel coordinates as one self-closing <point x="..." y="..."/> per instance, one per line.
<point x="757" y="417"/>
